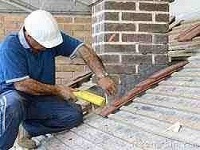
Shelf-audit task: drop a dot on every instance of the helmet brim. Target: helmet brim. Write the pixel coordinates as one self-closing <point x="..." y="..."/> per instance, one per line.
<point x="53" y="43"/>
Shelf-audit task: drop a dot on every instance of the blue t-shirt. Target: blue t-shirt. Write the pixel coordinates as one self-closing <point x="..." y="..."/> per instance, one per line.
<point x="18" y="62"/>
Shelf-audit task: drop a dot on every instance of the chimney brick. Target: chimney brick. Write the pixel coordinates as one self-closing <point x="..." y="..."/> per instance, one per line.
<point x="106" y="37"/>
<point x="153" y="28"/>
<point x="111" y="37"/>
<point x="153" y="7"/>
<point x="110" y="58"/>
<point x="111" y="16"/>
<point x="161" y="59"/>
<point x="119" y="27"/>
<point x="162" y="18"/>
<point x="161" y="39"/>
<point x="136" y="16"/>
<point x="121" y="68"/>
<point x="110" y="5"/>
<point x="119" y="48"/>
<point x="137" y="59"/>
<point x="153" y="49"/>
<point x="146" y="38"/>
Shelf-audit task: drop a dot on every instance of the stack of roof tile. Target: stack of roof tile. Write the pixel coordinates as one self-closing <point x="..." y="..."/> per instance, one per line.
<point x="182" y="50"/>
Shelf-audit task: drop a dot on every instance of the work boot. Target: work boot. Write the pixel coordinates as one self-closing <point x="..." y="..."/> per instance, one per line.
<point x="24" y="139"/>
<point x="26" y="142"/>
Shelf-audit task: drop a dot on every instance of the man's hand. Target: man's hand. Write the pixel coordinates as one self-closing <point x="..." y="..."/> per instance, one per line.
<point x="108" y="85"/>
<point x="66" y="92"/>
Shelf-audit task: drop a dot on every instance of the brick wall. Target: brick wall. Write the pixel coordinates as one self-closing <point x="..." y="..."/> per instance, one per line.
<point x="129" y="35"/>
<point x="77" y="26"/>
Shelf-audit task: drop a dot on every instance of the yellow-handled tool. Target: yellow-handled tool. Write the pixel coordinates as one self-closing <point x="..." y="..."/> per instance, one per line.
<point x="90" y="97"/>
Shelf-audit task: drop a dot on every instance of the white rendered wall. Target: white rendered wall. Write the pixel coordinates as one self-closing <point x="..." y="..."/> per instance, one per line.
<point x="185" y="9"/>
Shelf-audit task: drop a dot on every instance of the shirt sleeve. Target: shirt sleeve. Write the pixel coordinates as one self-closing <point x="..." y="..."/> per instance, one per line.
<point x="14" y="65"/>
<point x="69" y="46"/>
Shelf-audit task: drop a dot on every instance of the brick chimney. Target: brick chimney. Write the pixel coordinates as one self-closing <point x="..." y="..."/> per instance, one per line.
<point x="130" y="37"/>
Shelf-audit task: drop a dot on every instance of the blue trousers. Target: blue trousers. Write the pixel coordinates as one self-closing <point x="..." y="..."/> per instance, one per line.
<point x="38" y="114"/>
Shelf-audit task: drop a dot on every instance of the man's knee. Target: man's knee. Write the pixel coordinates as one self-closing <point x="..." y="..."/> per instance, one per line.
<point x="77" y="117"/>
<point x="73" y="119"/>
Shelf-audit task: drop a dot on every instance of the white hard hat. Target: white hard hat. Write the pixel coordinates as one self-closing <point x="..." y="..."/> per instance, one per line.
<point x="43" y="28"/>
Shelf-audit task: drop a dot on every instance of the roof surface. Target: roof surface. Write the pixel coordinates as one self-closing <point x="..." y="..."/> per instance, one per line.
<point x="146" y="123"/>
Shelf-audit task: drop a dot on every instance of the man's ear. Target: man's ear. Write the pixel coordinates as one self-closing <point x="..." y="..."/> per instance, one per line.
<point x="29" y="36"/>
<point x="26" y="34"/>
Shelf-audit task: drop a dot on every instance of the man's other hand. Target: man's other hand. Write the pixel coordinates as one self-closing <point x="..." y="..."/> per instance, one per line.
<point x="108" y="85"/>
<point x="67" y="92"/>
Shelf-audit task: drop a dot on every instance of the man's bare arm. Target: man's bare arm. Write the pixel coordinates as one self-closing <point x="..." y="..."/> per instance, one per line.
<point x="96" y="65"/>
<point x="92" y="60"/>
<point x="34" y="87"/>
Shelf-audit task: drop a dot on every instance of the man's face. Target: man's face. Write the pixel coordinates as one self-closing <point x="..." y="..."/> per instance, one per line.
<point x="34" y="44"/>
